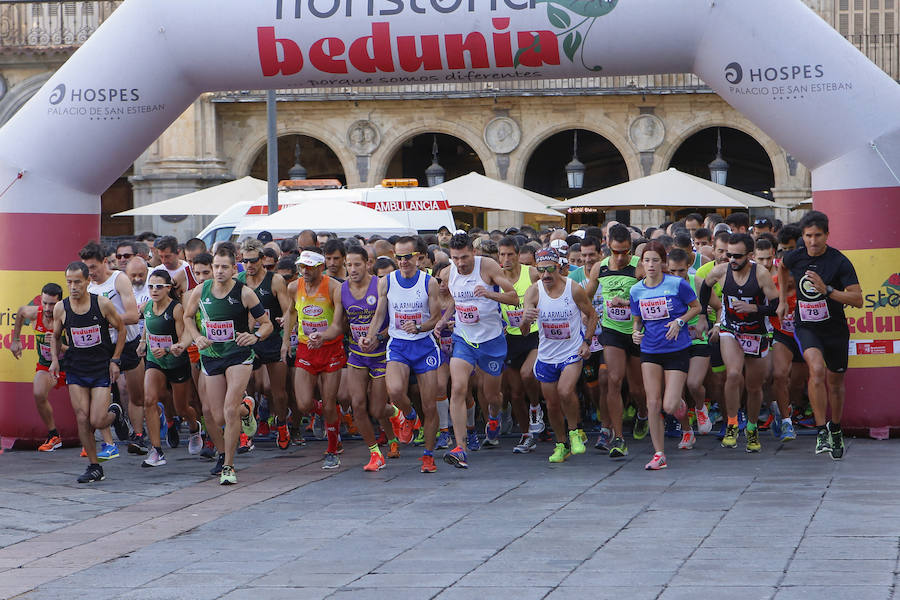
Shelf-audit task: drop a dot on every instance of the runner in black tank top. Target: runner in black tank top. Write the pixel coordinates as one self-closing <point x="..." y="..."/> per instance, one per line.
<point x="749" y="297"/>
<point x="92" y="361"/>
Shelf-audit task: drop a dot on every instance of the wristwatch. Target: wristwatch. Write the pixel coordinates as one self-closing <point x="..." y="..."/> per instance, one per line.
<point x="828" y="291"/>
<point x="381" y="338"/>
<point x="418" y="328"/>
<point x="680" y="322"/>
<point x="116" y="361"/>
<point x="258" y="337"/>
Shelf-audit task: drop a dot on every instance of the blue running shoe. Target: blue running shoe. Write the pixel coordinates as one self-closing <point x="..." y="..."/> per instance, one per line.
<point x="673" y="427"/>
<point x="163" y="425"/>
<point x="742" y="420"/>
<point x="108" y="452"/>
<point x="721" y="433"/>
<point x="492" y="430"/>
<point x="787" y="432"/>
<point x="472" y="441"/>
<point x="776" y="427"/>
<point x="443" y="441"/>
<point x="457" y="458"/>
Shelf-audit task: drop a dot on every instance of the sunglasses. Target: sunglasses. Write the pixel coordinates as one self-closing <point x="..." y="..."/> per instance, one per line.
<point x="550" y="269"/>
<point x="730" y="255"/>
<point x="406" y="256"/>
<point x="269" y="267"/>
<point x="619" y="251"/>
<point x="126" y="255"/>
<point x="158" y="286"/>
<point x="251" y="261"/>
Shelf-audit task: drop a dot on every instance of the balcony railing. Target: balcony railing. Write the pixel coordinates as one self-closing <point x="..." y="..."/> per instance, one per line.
<point x="881" y="49"/>
<point x="51" y="24"/>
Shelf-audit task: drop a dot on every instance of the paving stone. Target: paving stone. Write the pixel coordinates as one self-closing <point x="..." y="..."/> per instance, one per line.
<point x="733" y="591"/>
<point x="834" y="592"/>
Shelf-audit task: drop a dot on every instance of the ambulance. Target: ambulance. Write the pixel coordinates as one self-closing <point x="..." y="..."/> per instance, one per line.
<point x="424" y="209"/>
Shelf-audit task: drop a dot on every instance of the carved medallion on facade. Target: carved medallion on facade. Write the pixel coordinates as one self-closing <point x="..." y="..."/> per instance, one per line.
<point x="647" y="133"/>
<point x="363" y="138"/>
<point x="502" y="135"/>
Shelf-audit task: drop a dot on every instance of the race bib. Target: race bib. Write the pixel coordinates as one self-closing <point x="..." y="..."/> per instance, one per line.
<point x="467" y="314"/>
<point x="596" y="346"/>
<point x="618" y="313"/>
<point x="813" y="312"/>
<point x="401" y="318"/>
<point x="163" y="342"/>
<point x="654" y="309"/>
<point x="446" y="343"/>
<point x="220" y="331"/>
<point x="787" y="323"/>
<point x="515" y="317"/>
<point x="45" y="352"/>
<point x="358" y="330"/>
<point x="749" y="342"/>
<point x="694" y="332"/>
<point x="311" y="327"/>
<point x="556" y="331"/>
<point x="86" y="337"/>
<point x="294" y="340"/>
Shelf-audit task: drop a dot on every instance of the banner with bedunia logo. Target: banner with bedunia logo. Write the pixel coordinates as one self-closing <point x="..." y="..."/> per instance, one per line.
<point x="875" y="328"/>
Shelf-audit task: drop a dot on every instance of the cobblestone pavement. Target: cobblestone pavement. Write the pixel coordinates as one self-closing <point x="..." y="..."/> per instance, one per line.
<point x="780" y="524"/>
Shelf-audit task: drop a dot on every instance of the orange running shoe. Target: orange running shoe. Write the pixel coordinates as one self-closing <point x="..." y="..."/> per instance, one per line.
<point x="394" y="450"/>
<point x="398" y="422"/>
<point x="83" y="453"/>
<point x="376" y="462"/>
<point x="408" y="429"/>
<point x="340" y="448"/>
<point x="428" y="465"/>
<point x="51" y="444"/>
<point x="284" y="437"/>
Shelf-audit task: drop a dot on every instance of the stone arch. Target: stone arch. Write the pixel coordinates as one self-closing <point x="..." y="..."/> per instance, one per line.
<point x="776" y="154"/>
<point x="20" y="94"/>
<point x="608" y="131"/>
<point x="393" y="141"/>
<point x="249" y="150"/>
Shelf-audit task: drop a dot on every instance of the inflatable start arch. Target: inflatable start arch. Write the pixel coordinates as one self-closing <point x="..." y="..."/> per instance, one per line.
<point x="774" y="60"/>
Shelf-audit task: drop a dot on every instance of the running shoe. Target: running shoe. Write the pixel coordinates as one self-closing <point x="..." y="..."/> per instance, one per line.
<point x="92" y="474"/>
<point x="419" y="440"/>
<point x="472" y="442"/>
<point x="332" y="461"/>
<point x="775" y="428"/>
<point x="284" y="437"/>
<point x="428" y="465"/>
<point x="575" y="442"/>
<point x="227" y="477"/>
<point x="583" y="435"/>
<point x="393" y="449"/>
<point x="731" y="436"/>
<point x="443" y="440"/>
<point x="722" y="429"/>
<point x="704" y="423"/>
<point x="673" y="427"/>
<point x="137" y="445"/>
<point x="527" y="443"/>
<point x="617" y="448"/>
<point x="657" y="462"/>
<point x="108" y="452"/>
<point x="163" y="423"/>
<point x="382" y="438"/>
<point x="297" y="439"/>
<point x="407" y="431"/>
<point x="536" y="420"/>
<point x="263" y="429"/>
<point x="195" y="442"/>
<point x="688" y="439"/>
<point x="397" y="422"/>
<point x="220" y="463"/>
<point x="506" y="422"/>
<point x="837" y="444"/>
<point x="629" y="414"/>
<point x="248" y="423"/>
<point x="604" y="439"/>
<point x="492" y="432"/>
<point x="742" y="420"/>
<point x="787" y="431"/>
<point x="753" y="444"/>
<point x="765" y="424"/>
<point x="53" y="442"/>
<point x="823" y="441"/>
<point x="376" y="462"/>
<point x="560" y="454"/>
<point x="246" y="444"/>
<point x="120" y="423"/>
<point x="154" y="459"/>
<point x="209" y="449"/>
<point x="318" y="427"/>
<point x="172" y="437"/>
<point x="641" y="428"/>
<point x="83" y="453"/>
<point x="457" y="457"/>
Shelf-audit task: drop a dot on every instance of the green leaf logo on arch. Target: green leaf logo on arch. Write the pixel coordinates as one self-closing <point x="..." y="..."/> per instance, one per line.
<point x="560" y="14"/>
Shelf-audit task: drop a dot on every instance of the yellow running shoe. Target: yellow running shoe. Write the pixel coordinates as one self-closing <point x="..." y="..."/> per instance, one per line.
<point x="731" y="436"/>
<point x="576" y="442"/>
<point x="560" y="453"/>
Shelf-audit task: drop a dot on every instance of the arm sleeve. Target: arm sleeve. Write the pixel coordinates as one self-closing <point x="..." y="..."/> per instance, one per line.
<point x="257" y="311"/>
<point x="705" y="295"/>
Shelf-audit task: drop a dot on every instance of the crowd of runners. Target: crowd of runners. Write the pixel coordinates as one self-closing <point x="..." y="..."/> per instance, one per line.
<point x="697" y="325"/>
